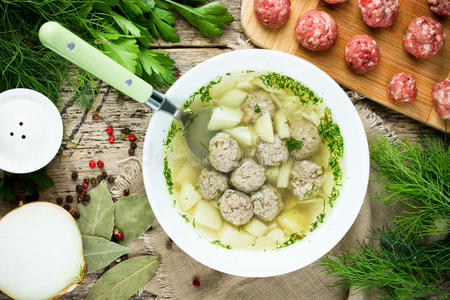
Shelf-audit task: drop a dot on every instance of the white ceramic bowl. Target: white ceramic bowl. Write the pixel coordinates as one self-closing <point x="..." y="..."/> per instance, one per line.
<point x="355" y="163"/>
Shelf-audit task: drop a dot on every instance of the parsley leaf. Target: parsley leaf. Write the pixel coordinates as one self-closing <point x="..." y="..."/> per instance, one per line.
<point x="210" y="18"/>
<point x="158" y="66"/>
<point x="161" y="22"/>
<point x="294" y="144"/>
<point x="124" y="51"/>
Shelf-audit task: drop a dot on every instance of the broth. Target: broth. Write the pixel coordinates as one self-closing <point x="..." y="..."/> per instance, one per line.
<point x="288" y="109"/>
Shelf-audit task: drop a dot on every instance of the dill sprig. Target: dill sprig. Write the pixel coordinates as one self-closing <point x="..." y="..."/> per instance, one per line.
<point x="220" y="244"/>
<point x="279" y="81"/>
<point x="417" y="175"/>
<point x="399" y="266"/>
<point x="294" y="144"/>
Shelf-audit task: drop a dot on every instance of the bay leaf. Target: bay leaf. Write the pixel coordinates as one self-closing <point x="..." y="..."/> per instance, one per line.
<point x="100" y="252"/>
<point x="125" y="279"/>
<point x="132" y="216"/>
<point x="97" y="217"/>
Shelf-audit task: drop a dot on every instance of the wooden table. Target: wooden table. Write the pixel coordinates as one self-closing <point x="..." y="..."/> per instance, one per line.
<point x="88" y="139"/>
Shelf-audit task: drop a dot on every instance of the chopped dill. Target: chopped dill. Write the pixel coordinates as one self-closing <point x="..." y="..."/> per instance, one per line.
<point x="193" y="222"/>
<point x="185" y="217"/>
<point x="294" y="144"/>
<point x="257" y="109"/>
<point x="249" y="71"/>
<point x="319" y="219"/>
<point x="168" y="174"/>
<point x="204" y="93"/>
<point x="279" y="81"/>
<point x="295" y="237"/>
<point x="204" y="146"/>
<point x="228" y="74"/>
<point x="173" y="129"/>
<point x="219" y="243"/>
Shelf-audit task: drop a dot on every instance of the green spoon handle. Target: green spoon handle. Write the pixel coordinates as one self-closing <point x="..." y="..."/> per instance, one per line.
<point x="73" y="48"/>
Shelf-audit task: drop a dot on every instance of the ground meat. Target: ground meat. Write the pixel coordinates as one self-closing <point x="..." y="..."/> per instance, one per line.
<point x="224" y="153"/>
<point x="424" y="37"/>
<point x="362" y="54"/>
<point x="306" y="179"/>
<point x="441" y="98"/>
<point x="440" y="7"/>
<point x="316" y="30"/>
<point x="306" y="131"/>
<point x="248" y="177"/>
<point x="236" y="207"/>
<point x="334" y="1"/>
<point x="267" y="203"/>
<point x="402" y="88"/>
<point x="272" y="154"/>
<point x="272" y="13"/>
<point x="255" y="105"/>
<point x="378" y="13"/>
<point x="211" y="184"/>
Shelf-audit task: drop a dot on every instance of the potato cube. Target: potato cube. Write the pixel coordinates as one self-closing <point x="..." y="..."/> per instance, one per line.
<point x="241" y="134"/>
<point x="284" y="174"/>
<point x="245" y="85"/>
<point x="281" y="125"/>
<point x="272" y="174"/>
<point x="229" y="235"/>
<point x="187" y="173"/>
<point x="224" y="117"/>
<point x="293" y="221"/>
<point x="264" y="128"/>
<point x="188" y="196"/>
<point x="256" y="227"/>
<point x="233" y="98"/>
<point x="207" y="215"/>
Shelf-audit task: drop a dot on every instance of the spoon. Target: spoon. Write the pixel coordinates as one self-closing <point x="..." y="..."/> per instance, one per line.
<point x="194" y="122"/>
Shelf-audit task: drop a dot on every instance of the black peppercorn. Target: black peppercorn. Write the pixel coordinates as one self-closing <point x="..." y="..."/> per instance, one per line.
<point x="125" y="131"/>
<point x="93" y="181"/>
<point x="59" y="200"/>
<point x="74" y="175"/>
<point x="86" y="180"/>
<point x="131" y="152"/>
<point x="104" y="174"/>
<point x="66" y="207"/>
<point x="79" y="188"/>
<point x="69" y="199"/>
<point x="133" y="145"/>
<point x="111" y="179"/>
<point x="126" y="192"/>
<point x="75" y="213"/>
<point x="99" y="178"/>
<point x="86" y="198"/>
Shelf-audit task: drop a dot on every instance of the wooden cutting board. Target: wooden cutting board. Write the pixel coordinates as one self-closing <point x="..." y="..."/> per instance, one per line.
<point x="394" y="59"/>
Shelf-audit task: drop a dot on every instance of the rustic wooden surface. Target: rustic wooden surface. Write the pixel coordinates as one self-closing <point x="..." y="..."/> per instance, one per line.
<point x="394" y="59"/>
<point x="88" y="139"/>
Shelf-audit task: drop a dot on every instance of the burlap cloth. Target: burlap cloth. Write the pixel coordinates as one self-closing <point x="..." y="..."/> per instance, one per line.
<point x="174" y="277"/>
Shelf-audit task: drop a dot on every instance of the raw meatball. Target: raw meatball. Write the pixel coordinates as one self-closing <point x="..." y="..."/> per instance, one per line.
<point x="362" y="54"/>
<point x="224" y="153"/>
<point x="306" y="131"/>
<point x="306" y="179"/>
<point x="211" y="184"/>
<point x="248" y="177"/>
<point x="255" y="105"/>
<point x="402" y="88"/>
<point x="424" y="37"/>
<point x="441" y="98"/>
<point x="272" y="13"/>
<point x="316" y="30"/>
<point x="272" y="154"/>
<point x="236" y="207"/>
<point x="378" y="13"/>
<point x="440" y="7"/>
<point x="334" y="1"/>
<point x="267" y="203"/>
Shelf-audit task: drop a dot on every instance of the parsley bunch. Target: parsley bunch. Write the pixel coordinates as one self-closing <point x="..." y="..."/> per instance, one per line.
<point x="122" y="29"/>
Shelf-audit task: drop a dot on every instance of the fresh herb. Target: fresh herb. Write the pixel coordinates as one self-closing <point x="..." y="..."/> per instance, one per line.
<point x="400" y="266"/>
<point x="173" y="130"/>
<point x="294" y="144"/>
<point x="122" y="29"/>
<point x="295" y="237"/>
<point x="204" y="93"/>
<point x="168" y="175"/>
<point x="193" y="222"/>
<point x="278" y="81"/>
<point x="30" y="183"/>
<point x="185" y="217"/>
<point x="219" y="243"/>
<point x="257" y="109"/>
<point x="418" y="176"/>
<point x="319" y="219"/>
